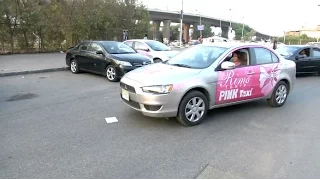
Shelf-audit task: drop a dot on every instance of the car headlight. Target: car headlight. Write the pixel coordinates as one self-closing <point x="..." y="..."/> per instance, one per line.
<point x="123" y="63"/>
<point x="160" y="89"/>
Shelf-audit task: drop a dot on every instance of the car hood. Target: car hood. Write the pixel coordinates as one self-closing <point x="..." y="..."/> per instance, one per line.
<point x="161" y="74"/>
<point x="132" y="58"/>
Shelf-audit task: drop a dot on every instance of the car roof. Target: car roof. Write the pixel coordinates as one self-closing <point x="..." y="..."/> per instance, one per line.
<point x="298" y="46"/>
<point x="141" y="40"/>
<point x="97" y="41"/>
<point x="231" y="45"/>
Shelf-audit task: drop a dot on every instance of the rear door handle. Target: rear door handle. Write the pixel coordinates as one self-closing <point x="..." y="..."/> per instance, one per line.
<point x="250" y="73"/>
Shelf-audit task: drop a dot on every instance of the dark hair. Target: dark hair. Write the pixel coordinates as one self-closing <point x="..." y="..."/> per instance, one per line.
<point x="238" y="52"/>
<point x="199" y="36"/>
<point x="244" y="56"/>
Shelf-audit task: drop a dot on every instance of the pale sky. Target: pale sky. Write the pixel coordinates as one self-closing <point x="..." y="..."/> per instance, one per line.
<point x="271" y="17"/>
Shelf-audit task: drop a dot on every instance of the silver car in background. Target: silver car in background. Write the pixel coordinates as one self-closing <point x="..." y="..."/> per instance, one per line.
<point x="155" y="50"/>
<point x="205" y="77"/>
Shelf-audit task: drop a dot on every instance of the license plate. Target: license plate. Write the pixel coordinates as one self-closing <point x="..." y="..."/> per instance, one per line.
<point x="125" y="94"/>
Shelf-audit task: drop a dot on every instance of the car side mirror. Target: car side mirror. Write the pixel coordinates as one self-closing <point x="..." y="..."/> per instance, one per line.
<point x="227" y="65"/>
<point x="100" y="52"/>
<point x="300" y="57"/>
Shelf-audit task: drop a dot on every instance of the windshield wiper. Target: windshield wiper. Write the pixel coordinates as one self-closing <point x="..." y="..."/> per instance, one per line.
<point x="181" y="65"/>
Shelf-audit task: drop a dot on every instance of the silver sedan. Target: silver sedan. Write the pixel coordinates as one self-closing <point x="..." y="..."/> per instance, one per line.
<point x="208" y="76"/>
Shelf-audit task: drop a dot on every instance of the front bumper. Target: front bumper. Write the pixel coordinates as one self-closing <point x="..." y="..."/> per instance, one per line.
<point x="152" y="105"/>
<point x="122" y="70"/>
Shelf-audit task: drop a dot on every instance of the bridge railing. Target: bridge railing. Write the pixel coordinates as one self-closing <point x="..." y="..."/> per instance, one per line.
<point x="196" y="13"/>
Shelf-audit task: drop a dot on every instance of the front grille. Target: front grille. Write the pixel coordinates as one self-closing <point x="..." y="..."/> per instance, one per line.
<point x="127" y="87"/>
<point x="131" y="103"/>
<point x="152" y="107"/>
<point x="136" y="64"/>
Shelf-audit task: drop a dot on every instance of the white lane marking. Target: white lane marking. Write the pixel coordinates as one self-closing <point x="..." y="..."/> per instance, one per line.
<point x="111" y="120"/>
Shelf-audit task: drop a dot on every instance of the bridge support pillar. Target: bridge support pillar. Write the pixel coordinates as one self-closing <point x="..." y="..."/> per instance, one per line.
<point x="225" y="32"/>
<point x="155" y="30"/>
<point x="166" y="29"/>
<point x="186" y="35"/>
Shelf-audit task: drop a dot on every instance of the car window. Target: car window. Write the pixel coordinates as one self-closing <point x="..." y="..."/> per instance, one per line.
<point x="140" y="45"/>
<point x="287" y="51"/>
<point x="316" y="52"/>
<point x="113" y="47"/>
<point x="305" y="52"/>
<point x="84" y="46"/>
<point x="263" y="56"/>
<point x="275" y="58"/>
<point x="240" y="57"/>
<point x="129" y="43"/>
<point x="197" y="57"/>
<point x="95" y="47"/>
<point x="157" y="46"/>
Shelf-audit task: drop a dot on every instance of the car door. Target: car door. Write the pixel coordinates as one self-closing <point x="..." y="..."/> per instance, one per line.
<point x="239" y="84"/>
<point x="97" y="60"/>
<point x="268" y="70"/>
<point x="83" y="56"/>
<point x="315" y="59"/>
<point x="303" y="64"/>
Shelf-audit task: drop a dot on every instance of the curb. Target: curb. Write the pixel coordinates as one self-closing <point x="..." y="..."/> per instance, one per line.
<point x="33" y="71"/>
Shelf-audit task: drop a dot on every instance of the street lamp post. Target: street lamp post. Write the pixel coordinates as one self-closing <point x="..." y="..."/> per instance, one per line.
<point x="230" y="16"/>
<point x="318" y="37"/>
<point x="181" y="21"/>
<point x="200" y="23"/>
<point x="242" y="28"/>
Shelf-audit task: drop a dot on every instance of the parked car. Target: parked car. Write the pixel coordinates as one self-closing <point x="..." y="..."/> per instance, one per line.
<point x="156" y="50"/>
<point x="203" y="77"/>
<point x="175" y="43"/>
<point x="313" y="44"/>
<point x="110" y="58"/>
<point x="306" y="57"/>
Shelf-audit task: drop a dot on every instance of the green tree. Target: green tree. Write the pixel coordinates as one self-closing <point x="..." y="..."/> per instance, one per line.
<point x="44" y="25"/>
<point x="296" y="40"/>
<point x="175" y="32"/>
<point x="247" y="31"/>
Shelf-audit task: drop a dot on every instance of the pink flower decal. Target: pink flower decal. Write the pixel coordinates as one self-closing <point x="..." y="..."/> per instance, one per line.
<point x="269" y="78"/>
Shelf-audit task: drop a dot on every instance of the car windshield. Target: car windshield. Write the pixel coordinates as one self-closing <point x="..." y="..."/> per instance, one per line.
<point x="117" y="48"/>
<point x="287" y="50"/>
<point x="197" y="57"/>
<point x="157" y="46"/>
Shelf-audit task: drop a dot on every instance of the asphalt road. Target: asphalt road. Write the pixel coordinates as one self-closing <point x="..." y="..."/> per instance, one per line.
<point x="52" y="125"/>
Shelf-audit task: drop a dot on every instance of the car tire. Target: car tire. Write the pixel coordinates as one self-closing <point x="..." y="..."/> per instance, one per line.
<point x="74" y="67"/>
<point x="279" y="95"/>
<point x="186" y="116"/>
<point x="111" y="74"/>
<point x="157" y="60"/>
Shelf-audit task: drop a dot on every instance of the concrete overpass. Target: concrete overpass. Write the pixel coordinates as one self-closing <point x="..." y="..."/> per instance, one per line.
<point x="166" y="17"/>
